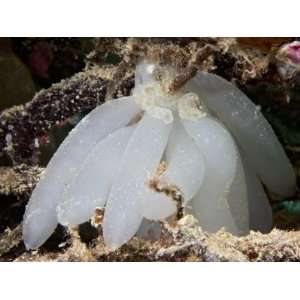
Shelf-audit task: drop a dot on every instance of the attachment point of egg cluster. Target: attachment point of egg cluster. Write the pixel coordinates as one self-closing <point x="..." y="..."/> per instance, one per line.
<point x="190" y="107"/>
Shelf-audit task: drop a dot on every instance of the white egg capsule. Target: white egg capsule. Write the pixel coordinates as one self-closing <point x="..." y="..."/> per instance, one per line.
<point x="143" y="156"/>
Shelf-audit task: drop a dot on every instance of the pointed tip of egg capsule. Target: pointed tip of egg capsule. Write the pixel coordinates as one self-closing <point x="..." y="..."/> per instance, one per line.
<point x="116" y="234"/>
<point x="33" y="244"/>
<point x="37" y="228"/>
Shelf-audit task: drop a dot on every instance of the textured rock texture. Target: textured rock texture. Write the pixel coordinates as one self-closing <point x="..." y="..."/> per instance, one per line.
<point x="184" y="241"/>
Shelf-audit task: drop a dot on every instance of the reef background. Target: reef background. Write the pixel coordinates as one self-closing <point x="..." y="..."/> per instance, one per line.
<point x="48" y="84"/>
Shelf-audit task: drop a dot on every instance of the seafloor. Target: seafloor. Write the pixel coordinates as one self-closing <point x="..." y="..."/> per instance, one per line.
<point x="47" y="85"/>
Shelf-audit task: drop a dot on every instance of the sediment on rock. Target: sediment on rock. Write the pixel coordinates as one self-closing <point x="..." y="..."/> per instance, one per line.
<point x="19" y="180"/>
<point x="182" y="242"/>
<point x="22" y="127"/>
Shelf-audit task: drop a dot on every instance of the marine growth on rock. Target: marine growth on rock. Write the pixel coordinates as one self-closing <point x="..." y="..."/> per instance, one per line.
<point x="198" y="145"/>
